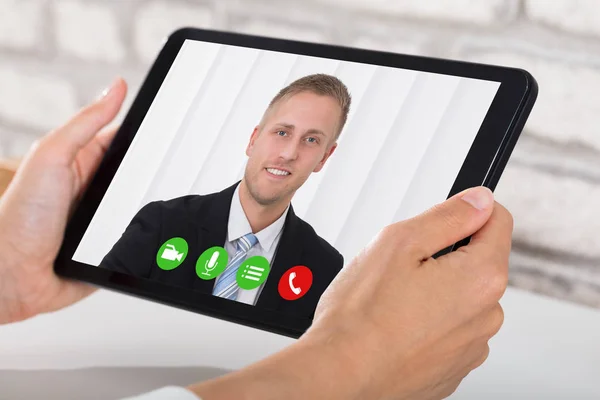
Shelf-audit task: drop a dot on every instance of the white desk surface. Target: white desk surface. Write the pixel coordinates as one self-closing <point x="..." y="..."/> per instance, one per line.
<point x="546" y="349"/>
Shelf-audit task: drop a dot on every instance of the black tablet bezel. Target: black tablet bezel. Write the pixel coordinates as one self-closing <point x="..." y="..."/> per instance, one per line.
<point x="483" y="166"/>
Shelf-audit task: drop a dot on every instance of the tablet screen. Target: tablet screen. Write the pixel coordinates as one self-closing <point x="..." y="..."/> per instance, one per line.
<point x="256" y="175"/>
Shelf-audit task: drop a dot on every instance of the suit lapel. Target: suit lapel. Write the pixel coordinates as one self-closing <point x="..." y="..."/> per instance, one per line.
<point x="213" y="232"/>
<point x="213" y="229"/>
<point x="289" y="251"/>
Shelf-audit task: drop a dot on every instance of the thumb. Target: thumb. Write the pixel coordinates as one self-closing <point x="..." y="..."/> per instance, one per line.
<point x="65" y="142"/>
<point x="451" y="221"/>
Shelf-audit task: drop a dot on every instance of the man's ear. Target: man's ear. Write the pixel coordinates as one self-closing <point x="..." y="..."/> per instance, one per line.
<point x="325" y="158"/>
<point x="253" y="137"/>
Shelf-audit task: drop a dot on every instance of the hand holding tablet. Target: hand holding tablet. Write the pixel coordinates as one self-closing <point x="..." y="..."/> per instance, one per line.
<point x="283" y="154"/>
<point x="360" y="325"/>
<point x="37" y="204"/>
<point x="399" y="325"/>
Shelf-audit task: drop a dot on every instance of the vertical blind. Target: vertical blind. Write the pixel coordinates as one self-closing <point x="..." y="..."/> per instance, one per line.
<point x="405" y="140"/>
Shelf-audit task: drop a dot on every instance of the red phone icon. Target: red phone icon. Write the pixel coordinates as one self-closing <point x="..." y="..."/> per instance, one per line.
<point x="295" y="282"/>
<point x="296" y="290"/>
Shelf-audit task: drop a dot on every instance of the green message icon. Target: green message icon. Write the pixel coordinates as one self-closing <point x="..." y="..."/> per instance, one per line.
<point x="211" y="263"/>
<point x="172" y="253"/>
<point x="253" y="272"/>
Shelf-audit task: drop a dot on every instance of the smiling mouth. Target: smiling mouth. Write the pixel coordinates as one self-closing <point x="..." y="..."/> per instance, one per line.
<point x="278" y="172"/>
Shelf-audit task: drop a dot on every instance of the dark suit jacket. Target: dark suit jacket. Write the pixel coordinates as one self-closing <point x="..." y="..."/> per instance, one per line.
<point x="202" y="221"/>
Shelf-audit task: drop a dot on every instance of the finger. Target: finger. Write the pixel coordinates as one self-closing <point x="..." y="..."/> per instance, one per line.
<point x="474" y="323"/>
<point x="495" y="236"/>
<point x="68" y="140"/>
<point x="484" y="354"/>
<point x="89" y="157"/>
<point x="449" y="222"/>
<point x="489" y="251"/>
<point x="105" y="138"/>
<point x="485" y="324"/>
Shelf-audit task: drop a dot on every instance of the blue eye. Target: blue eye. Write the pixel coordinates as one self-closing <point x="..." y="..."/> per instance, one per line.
<point x="281" y="133"/>
<point x="312" y="140"/>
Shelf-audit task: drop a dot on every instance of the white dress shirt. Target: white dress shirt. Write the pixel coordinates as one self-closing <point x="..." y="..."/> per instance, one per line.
<point x="238" y="226"/>
<point x="268" y="239"/>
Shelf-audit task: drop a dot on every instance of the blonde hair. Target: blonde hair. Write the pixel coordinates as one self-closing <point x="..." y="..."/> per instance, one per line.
<point x="320" y="84"/>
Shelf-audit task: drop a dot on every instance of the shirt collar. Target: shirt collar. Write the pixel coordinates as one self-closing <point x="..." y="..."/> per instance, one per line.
<point x="239" y="226"/>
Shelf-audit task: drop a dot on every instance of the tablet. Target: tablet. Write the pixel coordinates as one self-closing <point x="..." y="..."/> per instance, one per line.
<point x="250" y="170"/>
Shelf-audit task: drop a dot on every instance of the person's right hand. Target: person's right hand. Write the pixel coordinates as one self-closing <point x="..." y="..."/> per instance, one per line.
<point x="396" y="323"/>
<point x="410" y="326"/>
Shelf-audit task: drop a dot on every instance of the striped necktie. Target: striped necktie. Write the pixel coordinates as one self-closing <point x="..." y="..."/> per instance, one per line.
<point x="226" y="285"/>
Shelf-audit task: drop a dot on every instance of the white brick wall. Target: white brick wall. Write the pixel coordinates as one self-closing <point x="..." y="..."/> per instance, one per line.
<point x="14" y="143"/>
<point x="545" y="207"/>
<point x="88" y="30"/>
<point x="281" y="30"/>
<point x="577" y="16"/>
<point x="406" y="45"/>
<point x="55" y="56"/>
<point x="15" y="15"/>
<point x="157" y="19"/>
<point x="565" y="111"/>
<point x="35" y="100"/>
<point x="471" y="11"/>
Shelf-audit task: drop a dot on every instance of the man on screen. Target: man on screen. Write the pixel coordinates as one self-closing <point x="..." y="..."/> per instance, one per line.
<point x="295" y="137"/>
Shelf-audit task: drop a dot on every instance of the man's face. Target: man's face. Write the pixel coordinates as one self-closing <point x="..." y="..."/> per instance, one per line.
<point x="296" y="139"/>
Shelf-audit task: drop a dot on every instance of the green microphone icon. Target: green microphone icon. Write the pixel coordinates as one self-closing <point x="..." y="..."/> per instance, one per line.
<point x="212" y="263"/>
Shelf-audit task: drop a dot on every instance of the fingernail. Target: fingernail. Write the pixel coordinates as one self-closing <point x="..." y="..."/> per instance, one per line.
<point x="108" y="90"/>
<point x="479" y="197"/>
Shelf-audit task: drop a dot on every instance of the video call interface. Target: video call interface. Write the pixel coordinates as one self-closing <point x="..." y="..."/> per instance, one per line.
<point x="255" y="175"/>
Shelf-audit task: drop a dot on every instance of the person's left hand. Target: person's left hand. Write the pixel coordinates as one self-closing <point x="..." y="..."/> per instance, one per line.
<point x="36" y="206"/>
